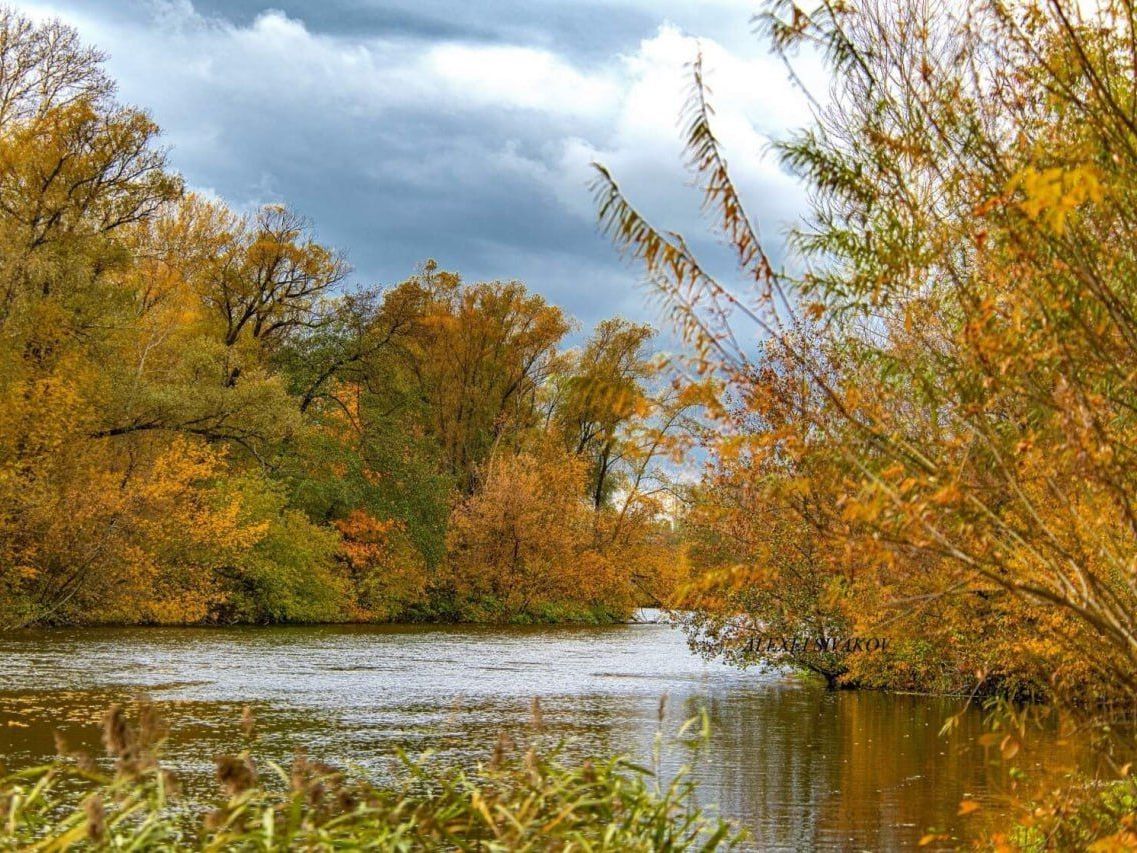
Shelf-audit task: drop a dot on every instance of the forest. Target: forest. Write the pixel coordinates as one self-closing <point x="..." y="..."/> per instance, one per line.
<point x="204" y="420"/>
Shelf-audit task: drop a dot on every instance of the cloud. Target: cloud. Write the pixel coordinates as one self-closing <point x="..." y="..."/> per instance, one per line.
<point x="511" y="77"/>
<point x="429" y="131"/>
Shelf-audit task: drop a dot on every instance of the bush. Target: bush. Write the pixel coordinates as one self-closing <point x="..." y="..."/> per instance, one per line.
<point x="290" y="573"/>
<point x="1089" y="817"/>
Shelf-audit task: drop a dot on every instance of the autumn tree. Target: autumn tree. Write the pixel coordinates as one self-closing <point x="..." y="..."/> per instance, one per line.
<point x="115" y="429"/>
<point x="267" y="281"/>
<point x="389" y="574"/>
<point x="521" y="545"/>
<point x="602" y="391"/>
<point x="75" y="167"/>
<point x="483" y="352"/>
<point x="961" y="321"/>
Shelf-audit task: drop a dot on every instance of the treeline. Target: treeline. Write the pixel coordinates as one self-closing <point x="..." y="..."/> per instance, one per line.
<point x="201" y="421"/>
<point x="933" y="437"/>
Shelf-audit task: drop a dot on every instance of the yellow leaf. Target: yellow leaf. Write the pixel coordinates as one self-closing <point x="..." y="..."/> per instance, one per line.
<point x="966" y="807"/>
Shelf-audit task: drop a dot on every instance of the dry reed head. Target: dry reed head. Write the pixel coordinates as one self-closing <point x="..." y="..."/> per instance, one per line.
<point x="215" y="819"/>
<point x="83" y="759"/>
<point x="152" y="729"/>
<point x="171" y="784"/>
<point x="96" y="818"/>
<point x="501" y="750"/>
<point x="322" y="786"/>
<point x="117" y="736"/>
<point x="532" y="765"/>
<point x="300" y="770"/>
<point x="538" y="717"/>
<point x="235" y="773"/>
<point x="248" y="722"/>
<point x="134" y="747"/>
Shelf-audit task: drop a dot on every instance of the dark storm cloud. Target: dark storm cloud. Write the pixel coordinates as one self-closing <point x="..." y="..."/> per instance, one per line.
<point x="457" y="131"/>
<point x="572" y="27"/>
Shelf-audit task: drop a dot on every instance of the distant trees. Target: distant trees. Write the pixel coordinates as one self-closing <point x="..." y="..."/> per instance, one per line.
<point x="267" y="282"/>
<point x="200" y="421"/>
<point x="519" y="541"/>
<point x="481" y="355"/>
<point x="603" y="391"/>
<point x="75" y="168"/>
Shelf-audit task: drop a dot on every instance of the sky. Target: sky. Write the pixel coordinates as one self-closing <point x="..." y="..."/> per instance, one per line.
<point x="463" y="132"/>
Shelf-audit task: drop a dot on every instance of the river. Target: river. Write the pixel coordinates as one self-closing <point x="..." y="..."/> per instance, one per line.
<point x="802" y="767"/>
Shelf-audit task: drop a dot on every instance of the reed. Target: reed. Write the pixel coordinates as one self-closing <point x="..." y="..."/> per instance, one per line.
<point x="521" y="800"/>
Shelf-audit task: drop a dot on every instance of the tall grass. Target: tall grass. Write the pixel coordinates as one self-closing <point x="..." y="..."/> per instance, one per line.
<point x="514" y="801"/>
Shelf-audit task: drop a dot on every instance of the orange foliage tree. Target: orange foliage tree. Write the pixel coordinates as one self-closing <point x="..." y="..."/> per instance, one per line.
<point x="518" y="545"/>
<point x="946" y="364"/>
<point x="388" y="574"/>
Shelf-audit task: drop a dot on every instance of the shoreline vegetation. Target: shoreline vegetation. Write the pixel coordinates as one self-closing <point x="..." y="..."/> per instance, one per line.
<point x="515" y="800"/>
<point x="595" y="619"/>
<point x="204" y="420"/>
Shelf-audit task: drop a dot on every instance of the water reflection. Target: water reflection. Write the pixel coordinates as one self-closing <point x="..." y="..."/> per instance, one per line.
<point x="805" y="769"/>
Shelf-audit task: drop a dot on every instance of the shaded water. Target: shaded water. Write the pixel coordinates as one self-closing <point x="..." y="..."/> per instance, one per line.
<point x="803" y="768"/>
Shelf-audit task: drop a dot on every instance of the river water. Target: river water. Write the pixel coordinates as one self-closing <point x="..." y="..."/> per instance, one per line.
<point x="801" y="767"/>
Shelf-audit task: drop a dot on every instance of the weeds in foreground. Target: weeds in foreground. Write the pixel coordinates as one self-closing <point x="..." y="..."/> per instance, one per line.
<point x="514" y="802"/>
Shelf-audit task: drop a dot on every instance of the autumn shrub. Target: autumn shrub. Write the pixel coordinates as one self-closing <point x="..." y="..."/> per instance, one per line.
<point x="290" y="573"/>
<point x="520" y="544"/>
<point x="389" y="575"/>
<point x="530" y="545"/>
<point x="532" y="801"/>
<point x="175" y="539"/>
<point x="1083" y="814"/>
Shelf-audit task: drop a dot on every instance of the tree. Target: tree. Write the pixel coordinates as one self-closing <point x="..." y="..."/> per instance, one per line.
<point x="387" y="571"/>
<point x="74" y="165"/>
<point x="267" y="281"/>
<point x="954" y="353"/>
<point x="603" y="391"/>
<point x="521" y="545"/>
<point x="44" y="67"/>
<point x="482" y="353"/>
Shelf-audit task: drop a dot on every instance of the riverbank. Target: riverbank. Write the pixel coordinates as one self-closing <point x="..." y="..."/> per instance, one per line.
<point x="560" y="615"/>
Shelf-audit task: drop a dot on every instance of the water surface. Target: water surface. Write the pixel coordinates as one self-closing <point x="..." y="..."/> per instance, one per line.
<point x="803" y="768"/>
